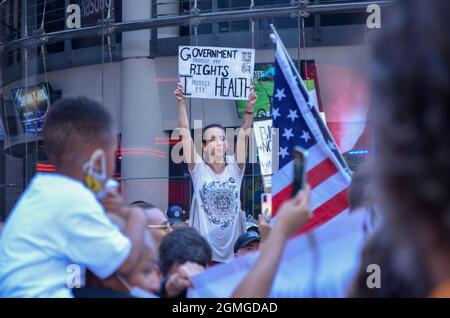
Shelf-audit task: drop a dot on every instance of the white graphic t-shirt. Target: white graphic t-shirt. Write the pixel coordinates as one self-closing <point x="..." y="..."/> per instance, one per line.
<point x="56" y="230"/>
<point x="216" y="209"/>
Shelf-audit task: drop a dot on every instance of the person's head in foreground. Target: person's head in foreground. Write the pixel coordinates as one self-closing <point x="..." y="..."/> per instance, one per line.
<point x="182" y="253"/>
<point x="80" y="140"/>
<point x="247" y="243"/>
<point x="362" y="197"/>
<point x="158" y="223"/>
<point x="361" y="191"/>
<point x="145" y="278"/>
<point x="411" y="80"/>
<point x="181" y="246"/>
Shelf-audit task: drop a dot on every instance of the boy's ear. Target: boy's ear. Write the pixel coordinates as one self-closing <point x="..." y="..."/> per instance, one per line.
<point x="98" y="157"/>
<point x="95" y="160"/>
<point x="97" y="164"/>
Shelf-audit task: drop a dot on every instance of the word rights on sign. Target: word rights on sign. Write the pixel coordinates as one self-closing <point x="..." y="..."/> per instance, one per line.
<point x="216" y="72"/>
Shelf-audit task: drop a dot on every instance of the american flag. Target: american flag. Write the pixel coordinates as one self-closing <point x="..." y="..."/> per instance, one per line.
<point x="299" y="124"/>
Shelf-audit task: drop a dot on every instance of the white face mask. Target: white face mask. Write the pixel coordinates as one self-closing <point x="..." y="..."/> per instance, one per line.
<point x="110" y="184"/>
<point x="98" y="181"/>
<point x="95" y="180"/>
<point x="136" y="291"/>
<point x="89" y="166"/>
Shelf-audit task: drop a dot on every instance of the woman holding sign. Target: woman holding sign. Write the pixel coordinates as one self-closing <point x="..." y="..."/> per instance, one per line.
<point x="217" y="179"/>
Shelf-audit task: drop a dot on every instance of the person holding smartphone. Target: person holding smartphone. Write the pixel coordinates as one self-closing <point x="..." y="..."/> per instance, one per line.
<point x="292" y="215"/>
<point x="217" y="179"/>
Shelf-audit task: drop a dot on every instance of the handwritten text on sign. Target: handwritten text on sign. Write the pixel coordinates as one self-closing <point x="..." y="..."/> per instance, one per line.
<point x="216" y="72"/>
<point x="263" y="136"/>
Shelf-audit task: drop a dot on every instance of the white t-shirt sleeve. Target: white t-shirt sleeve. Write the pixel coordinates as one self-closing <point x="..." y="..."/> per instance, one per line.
<point x="236" y="170"/>
<point x="93" y="241"/>
<point x="199" y="163"/>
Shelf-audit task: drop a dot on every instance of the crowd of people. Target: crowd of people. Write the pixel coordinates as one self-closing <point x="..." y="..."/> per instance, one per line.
<point x="71" y="235"/>
<point x="72" y="218"/>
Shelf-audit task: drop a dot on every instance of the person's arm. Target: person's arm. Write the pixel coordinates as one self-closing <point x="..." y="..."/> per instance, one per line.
<point x="242" y="139"/>
<point x="177" y="284"/>
<point x="136" y="222"/>
<point x="189" y="151"/>
<point x="293" y="214"/>
<point x="134" y="229"/>
<point x="264" y="230"/>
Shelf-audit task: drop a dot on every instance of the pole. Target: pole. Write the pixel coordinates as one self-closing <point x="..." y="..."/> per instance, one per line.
<point x="204" y="17"/>
<point x="277" y="40"/>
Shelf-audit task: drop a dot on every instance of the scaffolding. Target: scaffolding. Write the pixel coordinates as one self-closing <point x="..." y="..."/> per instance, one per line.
<point x="193" y="17"/>
<point x="28" y="42"/>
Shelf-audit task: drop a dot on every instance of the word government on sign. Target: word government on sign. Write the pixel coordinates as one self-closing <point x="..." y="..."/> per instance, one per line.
<point x="216" y="72"/>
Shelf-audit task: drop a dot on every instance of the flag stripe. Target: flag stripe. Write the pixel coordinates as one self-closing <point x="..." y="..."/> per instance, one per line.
<point x="321" y="172"/>
<point x="320" y="194"/>
<point x="326" y="190"/>
<point x="316" y="177"/>
<point x="328" y="210"/>
<point x="336" y="204"/>
<point x="285" y="175"/>
<point x="280" y="197"/>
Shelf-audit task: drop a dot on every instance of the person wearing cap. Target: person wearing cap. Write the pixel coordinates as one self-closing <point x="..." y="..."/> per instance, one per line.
<point x="247" y="243"/>
<point x="175" y="214"/>
<point x="251" y="224"/>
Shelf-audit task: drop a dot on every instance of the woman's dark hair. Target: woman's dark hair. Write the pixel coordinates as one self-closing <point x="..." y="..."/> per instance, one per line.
<point x="143" y="205"/>
<point x="211" y="126"/>
<point x="411" y="79"/>
<point x="184" y="244"/>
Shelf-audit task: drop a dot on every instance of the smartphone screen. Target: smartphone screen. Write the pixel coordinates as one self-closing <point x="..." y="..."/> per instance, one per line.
<point x="266" y="206"/>
<point x="299" y="170"/>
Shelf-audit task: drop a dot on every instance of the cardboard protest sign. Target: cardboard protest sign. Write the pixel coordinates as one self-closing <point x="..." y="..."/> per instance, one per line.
<point x="263" y="137"/>
<point x="216" y="72"/>
<point x="267" y="181"/>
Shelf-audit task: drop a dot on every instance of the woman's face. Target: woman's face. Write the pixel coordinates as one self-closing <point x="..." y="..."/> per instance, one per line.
<point x="215" y="143"/>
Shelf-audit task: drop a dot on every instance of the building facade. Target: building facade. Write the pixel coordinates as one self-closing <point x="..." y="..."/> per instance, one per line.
<point x="123" y="54"/>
